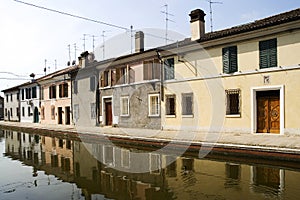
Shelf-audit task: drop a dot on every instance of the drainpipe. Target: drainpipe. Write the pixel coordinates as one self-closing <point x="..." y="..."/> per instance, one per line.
<point x="161" y="76"/>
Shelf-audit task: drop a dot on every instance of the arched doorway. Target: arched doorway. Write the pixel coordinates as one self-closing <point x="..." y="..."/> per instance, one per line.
<point x="36" y="115"/>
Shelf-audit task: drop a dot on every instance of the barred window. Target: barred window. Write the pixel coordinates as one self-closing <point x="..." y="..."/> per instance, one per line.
<point x="154" y="105"/>
<point x="170" y="105"/>
<point x="233" y="101"/>
<point x="93" y="110"/>
<point x="125" y="106"/>
<point x="187" y="104"/>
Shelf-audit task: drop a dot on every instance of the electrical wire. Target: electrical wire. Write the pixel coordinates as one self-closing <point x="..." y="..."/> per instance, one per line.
<point x="87" y="19"/>
<point x="73" y="15"/>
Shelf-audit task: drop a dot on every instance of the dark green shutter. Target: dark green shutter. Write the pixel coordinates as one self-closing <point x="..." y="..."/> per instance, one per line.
<point x="233" y="59"/>
<point x="268" y="53"/>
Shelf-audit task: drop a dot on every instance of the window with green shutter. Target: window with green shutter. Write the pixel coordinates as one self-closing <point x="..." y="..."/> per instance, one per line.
<point x="229" y="55"/>
<point x="268" y="53"/>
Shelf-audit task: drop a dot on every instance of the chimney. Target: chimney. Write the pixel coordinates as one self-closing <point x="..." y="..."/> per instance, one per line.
<point x="197" y="24"/>
<point x="83" y="59"/>
<point x="139" y="41"/>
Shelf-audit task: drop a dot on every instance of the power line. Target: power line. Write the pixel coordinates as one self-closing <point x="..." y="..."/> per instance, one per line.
<point x="72" y="15"/>
<point x="91" y="20"/>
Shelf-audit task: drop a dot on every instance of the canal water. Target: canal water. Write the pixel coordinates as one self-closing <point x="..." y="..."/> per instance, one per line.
<point x="53" y="166"/>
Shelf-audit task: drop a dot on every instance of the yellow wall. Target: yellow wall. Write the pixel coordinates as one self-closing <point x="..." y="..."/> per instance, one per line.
<point x="209" y="83"/>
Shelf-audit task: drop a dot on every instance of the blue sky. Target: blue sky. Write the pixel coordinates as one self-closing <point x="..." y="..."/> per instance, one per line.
<point x="30" y="35"/>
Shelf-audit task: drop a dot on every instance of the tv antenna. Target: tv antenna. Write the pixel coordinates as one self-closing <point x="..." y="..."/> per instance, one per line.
<point x="166" y="12"/>
<point x="211" y="12"/>
<point x="103" y="43"/>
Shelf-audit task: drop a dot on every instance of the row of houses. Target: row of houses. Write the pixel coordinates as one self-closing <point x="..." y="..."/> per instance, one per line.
<point x="242" y="79"/>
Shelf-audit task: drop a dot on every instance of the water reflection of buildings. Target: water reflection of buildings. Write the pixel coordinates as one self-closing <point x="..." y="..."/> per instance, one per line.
<point x="52" y="155"/>
<point x="101" y="169"/>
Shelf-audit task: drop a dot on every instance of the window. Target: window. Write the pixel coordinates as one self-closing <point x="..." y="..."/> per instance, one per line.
<point x="92" y="83"/>
<point x="75" y="86"/>
<point x="42" y="113"/>
<point x="52" y="92"/>
<point x="11" y="97"/>
<point x="154" y="105"/>
<point x="63" y="90"/>
<point x="11" y="112"/>
<point x="187" y="104"/>
<point x="34" y="92"/>
<point x="18" y="96"/>
<point x="93" y="110"/>
<point x="154" y="163"/>
<point x="23" y="111"/>
<point x="7" y="98"/>
<point x="169" y="69"/>
<point x="105" y="79"/>
<point x="108" y="152"/>
<point x="42" y="93"/>
<point x="18" y="112"/>
<point x="52" y="112"/>
<point x="28" y="111"/>
<point x="233" y="102"/>
<point x="125" y="106"/>
<point x="229" y="55"/>
<point x="6" y="112"/>
<point x="28" y="93"/>
<point x="122" y="75"/>
<point x="151" y="69"/>
<point x="268" y="53"/>
<point x="76" y="112"/>
<point x="22" y="94"/>
<point x="125" y="158"/>
<point x="170" y="105"/>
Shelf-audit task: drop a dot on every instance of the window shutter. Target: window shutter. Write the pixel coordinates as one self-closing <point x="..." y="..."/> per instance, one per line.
<point x="268" y="53"/>
<point x="233" y="59"/>
<point x="118" y="76"/>
<point x="131" y="75"/>
<point x="225" y="55"/>
<point x="273" y="52"/>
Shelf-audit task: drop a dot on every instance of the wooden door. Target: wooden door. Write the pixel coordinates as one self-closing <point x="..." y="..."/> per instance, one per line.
<point x="108" y="114"/>
<point x="268" y="114"/>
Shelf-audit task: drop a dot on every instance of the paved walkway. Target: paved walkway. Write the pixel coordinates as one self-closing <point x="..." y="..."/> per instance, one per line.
<point x="266" y="142"/>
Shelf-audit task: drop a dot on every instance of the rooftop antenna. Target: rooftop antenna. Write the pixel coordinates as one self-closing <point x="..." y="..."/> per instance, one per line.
<point x="166" y="12"/>
<point x="84" y="35"/>
<point x="55" y="64"/>
<point x="93" y="36"/>
<point x="211" y="12"/>
<point x="103" y="43"/>
<point x="131" y="37"/>
<point x="45" y="69"/>
<point x="69" y="48"/>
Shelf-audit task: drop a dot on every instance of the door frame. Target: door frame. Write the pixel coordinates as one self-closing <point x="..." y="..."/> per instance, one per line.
<point x="104" y="100"/>
<point x="254" y="106"/>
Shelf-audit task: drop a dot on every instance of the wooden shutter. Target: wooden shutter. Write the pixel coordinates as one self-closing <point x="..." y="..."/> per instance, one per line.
<point x="229" y="55"/>
<point x="233" y="59"/>
<point x="131" y="75"/>
<point x="268" y="53"/>
<point x="225" y="56"/>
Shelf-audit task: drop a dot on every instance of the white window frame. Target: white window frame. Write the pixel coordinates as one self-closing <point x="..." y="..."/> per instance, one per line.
<point x="150" y="105"/>
<point x="182" y="104"/>
<point x="123" y="151"/>
<point x="121" y="109"/>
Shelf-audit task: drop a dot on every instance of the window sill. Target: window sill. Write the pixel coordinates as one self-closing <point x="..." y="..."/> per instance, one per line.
<point x="170" y="116"/>
<point x="187" y="116"/>
<point x="154" y="116"/>
<point x="234" y="116"/>
<point x="125" y="115"/>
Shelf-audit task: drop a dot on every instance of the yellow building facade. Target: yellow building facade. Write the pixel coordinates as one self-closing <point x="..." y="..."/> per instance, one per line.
<point x="254" y="91"/>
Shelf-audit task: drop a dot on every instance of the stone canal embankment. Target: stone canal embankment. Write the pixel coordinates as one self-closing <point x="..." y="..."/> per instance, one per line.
<point x="262" y="146"/>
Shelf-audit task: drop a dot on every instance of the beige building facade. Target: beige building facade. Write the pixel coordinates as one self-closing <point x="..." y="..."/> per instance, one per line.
<point x="243" y="79"/>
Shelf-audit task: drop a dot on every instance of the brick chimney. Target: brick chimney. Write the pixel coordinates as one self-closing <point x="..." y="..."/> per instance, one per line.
<point x="83" y="59"/>
<point x="139" y="41"/>
<point x="197" y="24"/>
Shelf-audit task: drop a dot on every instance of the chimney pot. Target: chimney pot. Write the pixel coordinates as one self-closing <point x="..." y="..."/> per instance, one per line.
<point x="197" y="24"/>
<point x="139" y="41"/>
